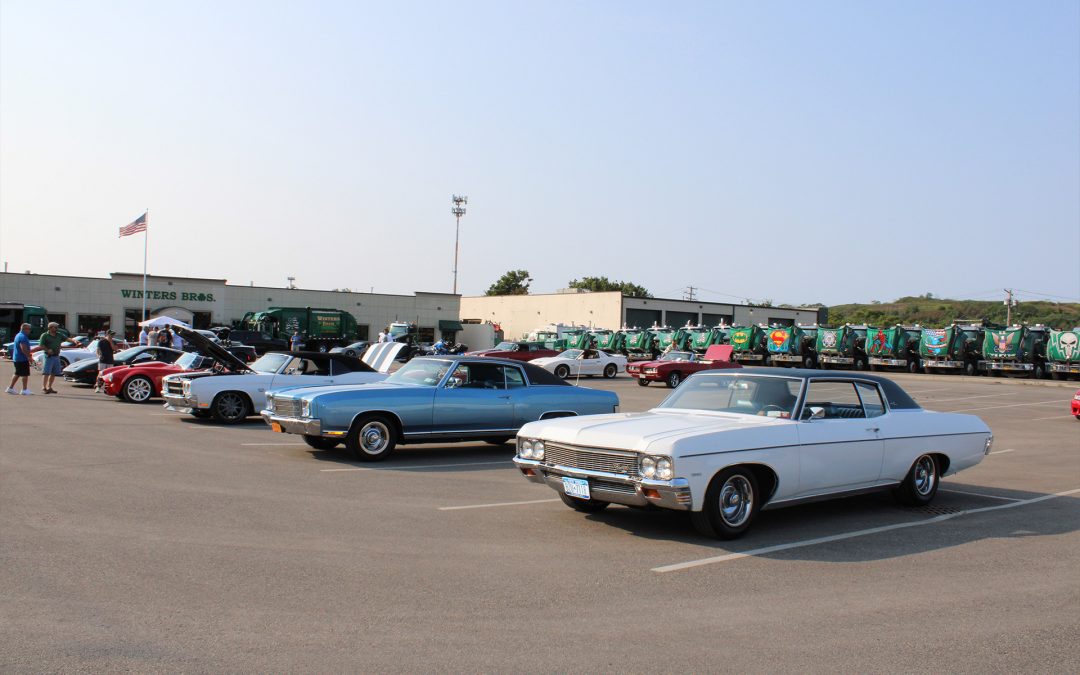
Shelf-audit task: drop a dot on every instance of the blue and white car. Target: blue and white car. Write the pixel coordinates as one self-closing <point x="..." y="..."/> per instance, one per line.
<point x="431" y="399"/>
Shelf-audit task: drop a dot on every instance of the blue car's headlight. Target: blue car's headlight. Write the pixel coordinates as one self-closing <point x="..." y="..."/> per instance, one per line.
<point x="305" y="408"/>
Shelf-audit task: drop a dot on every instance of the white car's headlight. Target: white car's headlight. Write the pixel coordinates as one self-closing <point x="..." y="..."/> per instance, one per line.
<point x="305" y="408"/>
<point x="525" y="448"/>
<point x="270" y="403"/>
<point x="187" y="387"/>
<point x="538" y="450"/>
<point x="989" y="444"/>
<point x="648" y="466"/>
<point x="663" y="468"/>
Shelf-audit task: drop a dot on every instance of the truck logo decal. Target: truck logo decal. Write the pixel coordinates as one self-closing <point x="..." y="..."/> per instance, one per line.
<point x="1003" y="342"/>
<point x="934" y="341"/>
<point x="1068" y="343"/>
<point x="778" y="337"/>
<point x="828" y="338"/>
<point x="877" y="345"/>
<point x="740" y="337"/>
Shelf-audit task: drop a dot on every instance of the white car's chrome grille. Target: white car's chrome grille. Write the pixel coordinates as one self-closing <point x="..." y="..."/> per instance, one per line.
<point x="592" y="459"/>
<point x="287" y="407"/>
<point x="174" y="387"/>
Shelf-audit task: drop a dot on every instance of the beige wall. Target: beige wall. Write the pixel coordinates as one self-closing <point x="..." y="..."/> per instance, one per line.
<point x="520" y="314"/>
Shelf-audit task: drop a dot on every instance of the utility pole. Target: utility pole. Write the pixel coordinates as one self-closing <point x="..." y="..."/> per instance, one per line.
<point x="1009" y="304"/>
<point x="458" y="209"/>
<point x="689" y="294"/>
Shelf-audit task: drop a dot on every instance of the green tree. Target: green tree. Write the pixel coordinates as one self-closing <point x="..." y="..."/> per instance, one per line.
<point x="601" y="284"/>
<point x="514" y="282"/>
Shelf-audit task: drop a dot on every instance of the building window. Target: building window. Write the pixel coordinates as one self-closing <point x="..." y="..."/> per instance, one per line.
<point x="201" y="320"/>
<point x="680" y="319"/>
<point x="426" y="334"/>
<point x="777" y="321"/>
<point x="132" y="317"/>
<point x="363" y="331"/>
<point x="58" y="318"/>
<point x="92" y="324"/>
<point x="642" y="318"/>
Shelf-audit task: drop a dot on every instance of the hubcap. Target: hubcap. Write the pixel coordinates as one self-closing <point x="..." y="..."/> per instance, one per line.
<point x="374" y="438"/>
<point x="925" y="475"/>
<point x="230" y="406"/>
<point x="736" y="501"/>
<point x="139" y="390"/>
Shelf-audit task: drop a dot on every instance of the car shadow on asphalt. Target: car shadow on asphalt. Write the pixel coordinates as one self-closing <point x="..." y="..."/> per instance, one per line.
<point x="427" y="458"/>
<point x="849" y="518"/>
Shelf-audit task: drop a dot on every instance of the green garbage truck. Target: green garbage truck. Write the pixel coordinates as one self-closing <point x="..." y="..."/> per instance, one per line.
<point x="319" y="328"/>
<point x="1063" y="353"/>
<point x="1019" y="350"/>
<point x="842" y="347"/>
<point x="957" y="348"/>
<point x="748" y="345"/>
<point x="895" y="347"/>
<point x="14" y="314"/>
<point x="792" y="346"/>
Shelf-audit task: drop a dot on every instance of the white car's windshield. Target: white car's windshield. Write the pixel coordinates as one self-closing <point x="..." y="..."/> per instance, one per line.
<point x="571" y="354"/>
<point x="741" y="394"/>
<point x="270" y="363"/>
<point x="676" y="356"/>
<point x="425" y="372"/>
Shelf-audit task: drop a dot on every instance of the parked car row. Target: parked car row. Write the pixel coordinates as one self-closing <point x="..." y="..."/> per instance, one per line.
<point x="726" y="444"/>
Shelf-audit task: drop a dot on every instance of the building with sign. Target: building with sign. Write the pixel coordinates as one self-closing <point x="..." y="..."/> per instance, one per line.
<point x="517" y="315"/>
<point x="92" y="304"/>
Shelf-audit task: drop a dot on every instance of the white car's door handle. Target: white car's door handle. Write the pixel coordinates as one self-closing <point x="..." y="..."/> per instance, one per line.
<point x="874" y="429"/>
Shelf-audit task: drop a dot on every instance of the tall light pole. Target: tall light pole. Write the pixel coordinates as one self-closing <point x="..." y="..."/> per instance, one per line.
<point x="458" y="209"/>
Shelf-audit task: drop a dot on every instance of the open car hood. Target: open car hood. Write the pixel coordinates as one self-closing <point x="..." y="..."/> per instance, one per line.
<point x="209" y="348"/>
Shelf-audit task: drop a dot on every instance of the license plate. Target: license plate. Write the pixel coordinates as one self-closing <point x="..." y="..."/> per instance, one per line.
<point x="576" y="487"/>
<point x="276" y="427"/>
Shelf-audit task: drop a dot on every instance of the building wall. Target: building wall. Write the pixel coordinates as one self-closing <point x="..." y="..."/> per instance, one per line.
<point x="72" y="296"/>
<point x="520" y="314"/>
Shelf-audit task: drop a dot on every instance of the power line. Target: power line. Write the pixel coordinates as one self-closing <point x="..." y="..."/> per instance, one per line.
<point x="1048" y="295"/>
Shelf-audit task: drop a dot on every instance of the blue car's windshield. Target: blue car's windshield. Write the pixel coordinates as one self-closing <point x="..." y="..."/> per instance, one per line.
<point x="425" y="372"/>
<point x="742" y="394"/>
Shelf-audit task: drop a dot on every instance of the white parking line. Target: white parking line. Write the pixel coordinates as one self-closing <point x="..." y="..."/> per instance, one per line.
<point x="964" y="398"/>
<point x="1055" y="417"/>
<point x="1009" y="405"/>
<point x="409" y="468"/>
<point x="851" y="535"/>
<point x="1002" y="452"/>
<point x="488" y="506"/>
<point x="980" y="494"/>
<point x="252" y="445"/>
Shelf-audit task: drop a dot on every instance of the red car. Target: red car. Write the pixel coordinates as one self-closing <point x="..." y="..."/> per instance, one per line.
<point x="674" y="367"/>
<point x="141" y="382"/>
<point x="519" y="351"/>
<point x="1076" y="404"/>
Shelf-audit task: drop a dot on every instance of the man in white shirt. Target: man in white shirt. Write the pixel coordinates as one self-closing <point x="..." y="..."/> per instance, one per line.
<point x="144" y="337"/>
<point x="383" y="337"/>
<point x="177" y="341"/>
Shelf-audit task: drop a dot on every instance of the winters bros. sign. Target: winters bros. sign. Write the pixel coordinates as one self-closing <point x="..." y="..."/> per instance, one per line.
<point x="183" y="296"/>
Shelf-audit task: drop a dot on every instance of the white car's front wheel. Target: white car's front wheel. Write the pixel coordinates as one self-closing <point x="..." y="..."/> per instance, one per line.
<point x="562" y="371"/>
<point x="610" y="370"/>
<point x="731" y="502"/>
<point x="230" y="407"/>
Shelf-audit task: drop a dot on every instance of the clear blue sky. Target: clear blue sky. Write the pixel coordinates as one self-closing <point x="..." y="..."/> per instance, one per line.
<point x="801" y="152"/>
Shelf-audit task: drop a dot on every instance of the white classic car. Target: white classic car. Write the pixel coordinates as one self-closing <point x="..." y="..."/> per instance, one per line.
<point x="235" y="390"/>
<point x="575" y="362"/>
<point x="69" y="355"/>
<point x="726" y="444"/>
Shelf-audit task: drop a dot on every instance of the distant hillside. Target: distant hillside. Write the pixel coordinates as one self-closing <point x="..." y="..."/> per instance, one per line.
<point x="941" y="312"/>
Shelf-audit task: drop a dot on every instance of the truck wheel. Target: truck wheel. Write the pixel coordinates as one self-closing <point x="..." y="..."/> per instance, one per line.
<point x="808" y="362"/>
<point x="874" y="367"/>
<point x="928" y="370"/>
<point x="1040" y="371"/>
<point x="371" y="438"/>
<point x="642" y="382"/>
<point x="674" y="379"/>
<point x="860" y="364"/>
<point x="970" y="368"/>
<point x="1056" y="376"/>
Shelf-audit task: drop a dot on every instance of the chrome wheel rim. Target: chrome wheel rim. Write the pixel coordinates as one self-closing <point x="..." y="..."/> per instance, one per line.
<point x="736" y="501"/>
<point x="674" y="380"/>
<point x="924" y="477"/>
<point x="562" y="371"/>
<point x="374" y="437"/>
<point x="230" y="406"/>
<point x="138" y="390"/>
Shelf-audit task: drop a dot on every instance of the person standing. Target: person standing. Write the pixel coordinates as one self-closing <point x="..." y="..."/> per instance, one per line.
<point x="294" y="341"/>
<point x="144" y="337"/>
<point x="177" y="341"/>
<point x="51" y="343"/>
<point x="151" y="337"/>
<point x="21" y="358"/>
<point x="384" y="335"/>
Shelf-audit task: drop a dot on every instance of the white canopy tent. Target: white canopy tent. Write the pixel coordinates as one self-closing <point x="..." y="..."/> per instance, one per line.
<point x="159" y="321"/>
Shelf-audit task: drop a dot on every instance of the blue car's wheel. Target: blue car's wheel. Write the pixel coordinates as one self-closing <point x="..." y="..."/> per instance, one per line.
<point x="372" y="438"/>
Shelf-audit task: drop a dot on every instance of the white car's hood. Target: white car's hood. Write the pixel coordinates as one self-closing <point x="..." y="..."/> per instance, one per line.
<point x="548" y="360"/>
<point x="657" y="432"/>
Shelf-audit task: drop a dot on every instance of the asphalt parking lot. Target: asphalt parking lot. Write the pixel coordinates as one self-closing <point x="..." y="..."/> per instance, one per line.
<point x="136" y="539"/>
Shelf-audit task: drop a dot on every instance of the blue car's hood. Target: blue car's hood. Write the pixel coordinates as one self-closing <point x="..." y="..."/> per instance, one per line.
<point x="372" y="388"/>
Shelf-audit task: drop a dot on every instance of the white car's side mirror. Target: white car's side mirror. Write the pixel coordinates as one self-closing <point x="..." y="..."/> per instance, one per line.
<point x="814" y="412"/>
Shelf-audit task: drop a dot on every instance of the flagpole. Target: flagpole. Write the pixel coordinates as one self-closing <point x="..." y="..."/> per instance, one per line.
<point x="146" y="238"/>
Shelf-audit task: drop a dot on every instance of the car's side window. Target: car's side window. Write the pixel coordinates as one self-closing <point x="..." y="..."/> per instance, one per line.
<point x="837" y="400"/>
<point x="295" y="367"/>
<point x="514" y="377"/>
<point x="871" y="399"/>
<point x="485" y="376"/>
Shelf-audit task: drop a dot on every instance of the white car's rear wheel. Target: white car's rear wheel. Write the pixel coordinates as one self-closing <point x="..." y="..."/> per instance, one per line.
<point x="562" y="371"/>
<point x="610" y="370"/>
<point x="921" y="484"/>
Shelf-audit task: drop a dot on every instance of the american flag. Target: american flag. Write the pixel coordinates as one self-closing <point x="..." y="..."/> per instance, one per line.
<point x="139" y="225"/>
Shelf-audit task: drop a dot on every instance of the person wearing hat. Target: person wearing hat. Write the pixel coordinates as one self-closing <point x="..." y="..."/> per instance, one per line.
<point x="51" y="342"/>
